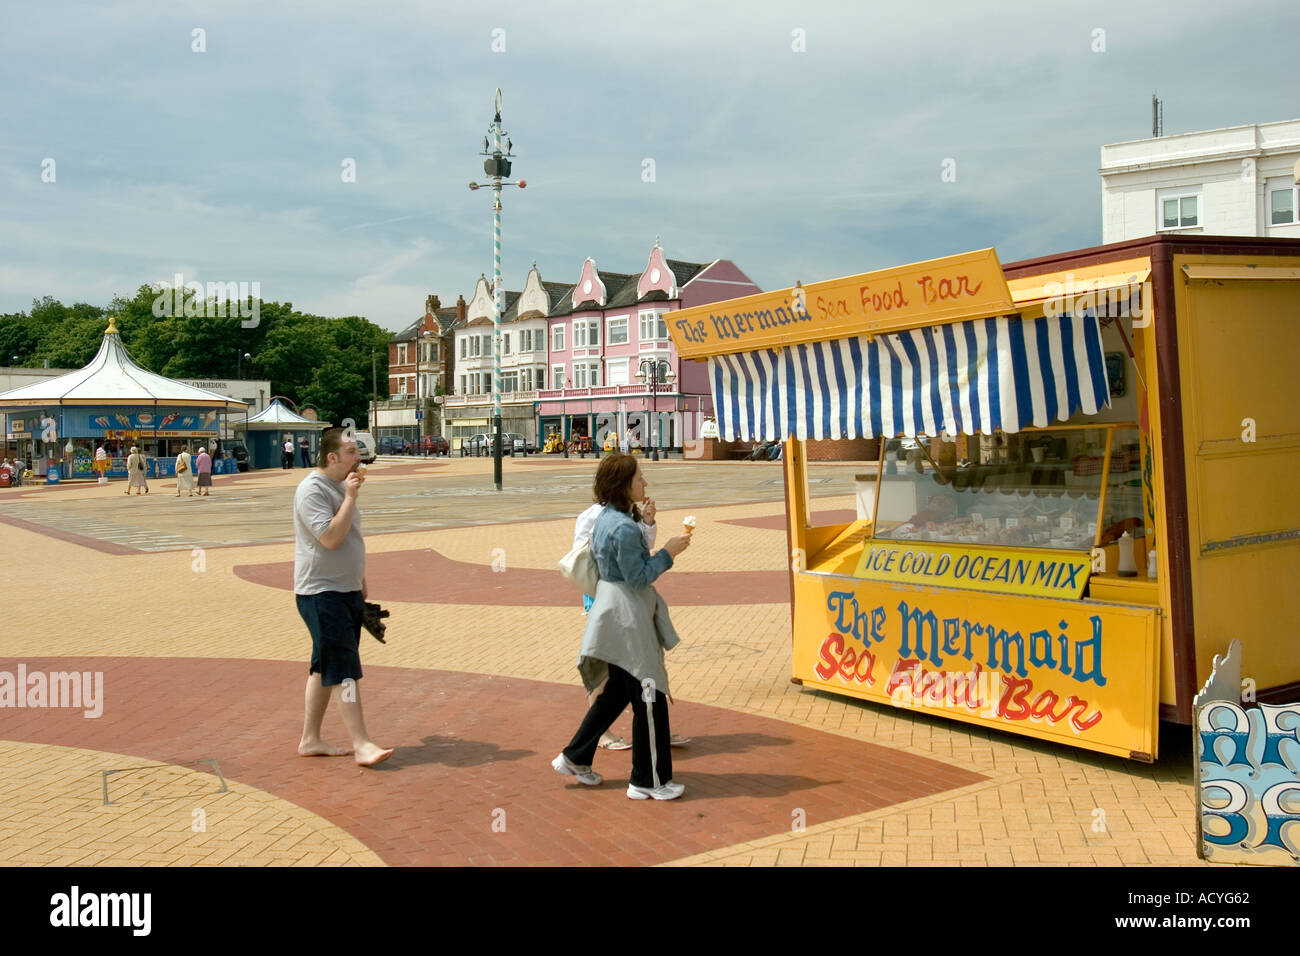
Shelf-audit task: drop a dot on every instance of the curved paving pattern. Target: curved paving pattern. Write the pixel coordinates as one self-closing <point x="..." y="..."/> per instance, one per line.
<point x="427" y="577"/>
<point x="474" y="751"/>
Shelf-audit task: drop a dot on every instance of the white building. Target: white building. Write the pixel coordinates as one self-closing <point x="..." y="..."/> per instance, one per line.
<point x="1238" y="181"/>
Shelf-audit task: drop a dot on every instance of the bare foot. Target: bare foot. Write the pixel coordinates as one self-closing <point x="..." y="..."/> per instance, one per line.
<point x="371" y="754"/>
<point x="321" y="749"/>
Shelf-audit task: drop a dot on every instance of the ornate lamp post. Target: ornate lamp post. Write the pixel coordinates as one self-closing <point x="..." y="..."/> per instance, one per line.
<point x="658" y="371"/>
<point x="497" y="166"/>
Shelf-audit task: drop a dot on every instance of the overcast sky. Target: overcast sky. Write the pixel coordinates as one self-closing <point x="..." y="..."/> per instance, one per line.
<point x="226" y="165"/>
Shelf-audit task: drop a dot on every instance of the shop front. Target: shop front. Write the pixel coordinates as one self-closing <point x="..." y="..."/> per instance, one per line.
<point x="1062" y="511"/>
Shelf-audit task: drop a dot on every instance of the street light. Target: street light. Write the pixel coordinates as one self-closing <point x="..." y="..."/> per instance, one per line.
<point x="239" y="362"/>
<point x="497" y="166"/>
<point x="659" y="371"/>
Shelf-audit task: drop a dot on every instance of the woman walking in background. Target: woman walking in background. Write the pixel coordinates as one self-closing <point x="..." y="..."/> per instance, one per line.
<point x="628" y="629"/>
<point x="184" y="473"/>
<point x="203" y="470"/>
<point x="135" y="473"/>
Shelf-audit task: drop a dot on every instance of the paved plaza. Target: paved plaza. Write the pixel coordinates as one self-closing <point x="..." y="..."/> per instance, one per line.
<point x="185" y="606"/>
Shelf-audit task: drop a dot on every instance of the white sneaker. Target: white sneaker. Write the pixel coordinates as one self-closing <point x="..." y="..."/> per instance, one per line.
<point x="668" y="791"/>
<point x="585" y="775"/>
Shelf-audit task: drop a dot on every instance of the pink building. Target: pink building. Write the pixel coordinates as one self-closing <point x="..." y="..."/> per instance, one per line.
<point x="609" y="327"/>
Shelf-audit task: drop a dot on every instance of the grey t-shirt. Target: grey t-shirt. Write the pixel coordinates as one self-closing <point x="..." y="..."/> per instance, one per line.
<point x="315" y="567"/>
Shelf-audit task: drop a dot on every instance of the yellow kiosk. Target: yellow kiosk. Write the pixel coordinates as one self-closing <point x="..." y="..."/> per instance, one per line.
<point x="1083" y="485"/>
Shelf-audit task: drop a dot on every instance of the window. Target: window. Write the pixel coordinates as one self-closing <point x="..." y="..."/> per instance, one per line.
<point x="1283" y="203"/>
<point x="616" y="372"/>
<point x="653" y="326"/>
<point x="586" y="333"/>
<point x="464" y="347"/>
<point x="579" y="376"/>
<point x="557" y="376"/>
<point x="593" y="374"/>
<point x="1179" y="212"/>
<point x="557" y="338"/>
<point x="462" y="386"/>
<point x="509" y="382"/>
<point x="505" y="344"/>
<point x="401" y="354"/>
<point x="616" y="332"/>
<point x="402" y="385"/>
<point x="475" y="346"/>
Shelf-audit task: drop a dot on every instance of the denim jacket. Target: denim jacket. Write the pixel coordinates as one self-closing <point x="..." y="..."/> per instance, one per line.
<point x="628" y="625"/>
<point x="621" y="553"/>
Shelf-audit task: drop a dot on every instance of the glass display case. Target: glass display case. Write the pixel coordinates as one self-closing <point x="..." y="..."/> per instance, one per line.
<point x="1039" y="489"/>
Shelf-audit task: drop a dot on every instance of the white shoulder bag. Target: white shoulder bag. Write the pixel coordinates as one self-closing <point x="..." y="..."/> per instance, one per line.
<point x="578" y="567"/>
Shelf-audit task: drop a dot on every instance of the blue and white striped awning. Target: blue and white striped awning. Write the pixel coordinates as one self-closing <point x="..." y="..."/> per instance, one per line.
<point x="965" y="378"/>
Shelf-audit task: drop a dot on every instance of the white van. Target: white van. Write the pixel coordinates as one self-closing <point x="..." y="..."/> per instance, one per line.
<point x="366" y="446"/>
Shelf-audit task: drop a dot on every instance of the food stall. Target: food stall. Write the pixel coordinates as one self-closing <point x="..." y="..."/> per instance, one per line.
<point x="1083" y="485"/>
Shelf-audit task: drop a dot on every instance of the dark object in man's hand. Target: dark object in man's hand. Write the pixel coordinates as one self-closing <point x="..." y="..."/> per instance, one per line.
<point x="373" y="621"/>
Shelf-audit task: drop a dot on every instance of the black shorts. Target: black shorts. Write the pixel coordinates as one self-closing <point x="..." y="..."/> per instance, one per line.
<point x="334" y="619"/>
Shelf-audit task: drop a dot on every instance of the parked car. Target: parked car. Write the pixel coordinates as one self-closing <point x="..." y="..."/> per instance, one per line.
<point x="476" y="445"/>
<point x="428" y="445"/>
<point x="392" y="445"/>
<point x="366" y="445"/>
<point x="510" y="441"/>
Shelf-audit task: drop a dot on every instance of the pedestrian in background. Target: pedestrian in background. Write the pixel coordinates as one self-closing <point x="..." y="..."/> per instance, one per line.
<point x="286" y="453"/>
<point x="203" y="471"/>
<point x="135" y="472"/>
<point x="184" y="473"/>
<point x="305" y="451"/>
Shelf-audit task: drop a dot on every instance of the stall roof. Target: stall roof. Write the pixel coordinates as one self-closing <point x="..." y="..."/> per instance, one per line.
<point x="113" y="378"/>
<point x="278" y="416"/>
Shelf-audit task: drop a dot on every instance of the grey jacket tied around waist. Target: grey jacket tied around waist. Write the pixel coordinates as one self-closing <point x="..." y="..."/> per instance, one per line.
<point x="628" y="625"/>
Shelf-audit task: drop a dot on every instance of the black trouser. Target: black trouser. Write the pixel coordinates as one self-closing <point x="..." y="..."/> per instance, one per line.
<point x="620" y="690"/>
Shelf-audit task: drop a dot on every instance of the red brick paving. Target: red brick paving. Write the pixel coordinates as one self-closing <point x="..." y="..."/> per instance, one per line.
<point x="470" y="745"/>
<point x="427" y="577"/>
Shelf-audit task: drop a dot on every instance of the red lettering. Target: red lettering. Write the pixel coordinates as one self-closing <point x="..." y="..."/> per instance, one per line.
<point x="946" y="288"/>
<point x="846" y="663"/>
<point x="866" y="677"/>
<point x="1017" y="688"/>
<point x="903" y="673"/>
<point x="1071" y="703"/>
<point x="827" y="669"/>
<point x="1043" y="705"/>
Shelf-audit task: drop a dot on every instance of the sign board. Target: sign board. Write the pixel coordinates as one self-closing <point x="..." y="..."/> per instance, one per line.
<point x="929" y="293"/>
<point x="1247" y="771"/>
<point x="1079" y="672"/>
<point x="1007" y="570"/>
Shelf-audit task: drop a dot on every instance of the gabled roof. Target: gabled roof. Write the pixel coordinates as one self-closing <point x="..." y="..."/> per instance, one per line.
<point x="683" y="272"/>
<point x="113" y="378"/>
<point x="614" y="284"/>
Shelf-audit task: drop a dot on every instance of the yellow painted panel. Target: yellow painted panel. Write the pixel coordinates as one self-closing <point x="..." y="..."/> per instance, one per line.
<point x="1241" y="390"/>
<point x="1108" y="275"/>
<point x="1073" y="672"/>
<point x="1250" y="494"/>
<point x="939" y="291"/>
<point x="1244" y="341"/>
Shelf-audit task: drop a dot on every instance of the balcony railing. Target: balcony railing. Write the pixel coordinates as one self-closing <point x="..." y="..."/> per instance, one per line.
<point x="485" y="398"/>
